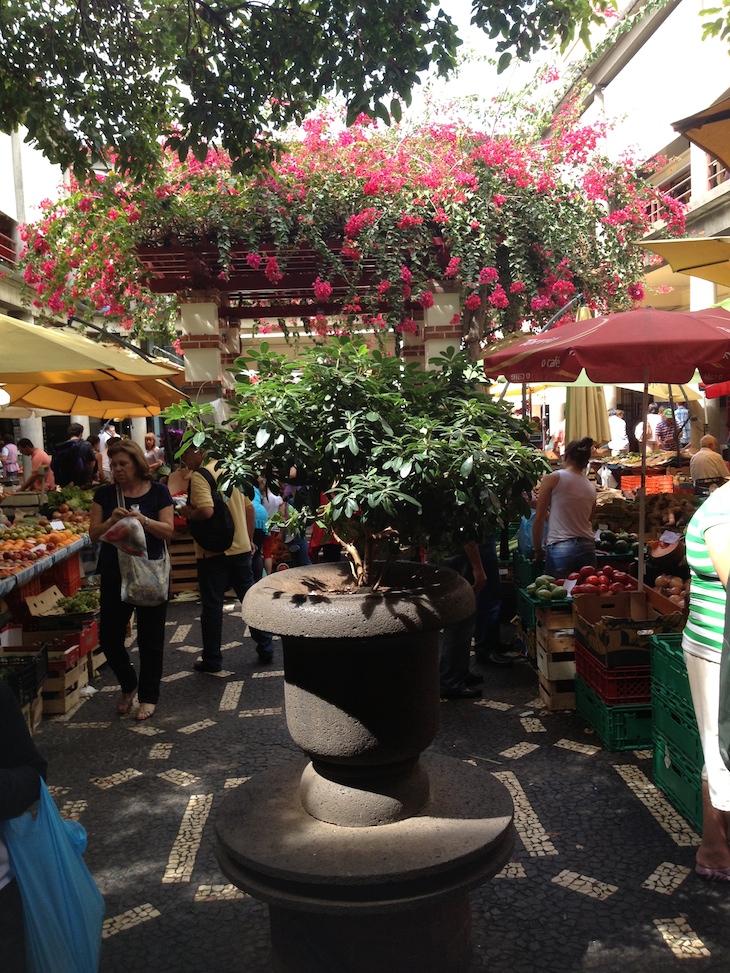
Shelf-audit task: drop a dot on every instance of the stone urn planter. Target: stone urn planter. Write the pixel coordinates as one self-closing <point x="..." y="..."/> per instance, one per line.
<point x="366" y="853"/>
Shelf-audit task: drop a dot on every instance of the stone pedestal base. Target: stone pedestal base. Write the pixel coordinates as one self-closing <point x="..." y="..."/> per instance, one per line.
<point x="430" y="939"/>
<point x="379" y="899"/>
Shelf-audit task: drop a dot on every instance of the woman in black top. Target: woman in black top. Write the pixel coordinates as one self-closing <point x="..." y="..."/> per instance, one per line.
<point x="151" y="504"/>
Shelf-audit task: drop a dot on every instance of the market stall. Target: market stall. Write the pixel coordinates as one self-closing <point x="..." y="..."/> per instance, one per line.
<point x="624" y="672"/>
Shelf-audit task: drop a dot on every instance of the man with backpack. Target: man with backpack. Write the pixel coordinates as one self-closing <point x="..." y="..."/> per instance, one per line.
<point x="219" y="567"/>
<point x="73" y="460"/>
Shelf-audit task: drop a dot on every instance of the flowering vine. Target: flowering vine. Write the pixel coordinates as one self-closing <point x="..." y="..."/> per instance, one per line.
<point x="517" y="224"/>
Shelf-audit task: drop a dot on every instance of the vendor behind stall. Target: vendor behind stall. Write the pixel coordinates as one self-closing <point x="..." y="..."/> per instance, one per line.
<point x="707" y="464"/>
<point x="38" y="458"/>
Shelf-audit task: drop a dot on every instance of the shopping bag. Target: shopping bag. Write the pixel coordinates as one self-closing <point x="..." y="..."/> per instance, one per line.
<point x="63" y="908"/>
<point x="145" y="583"/>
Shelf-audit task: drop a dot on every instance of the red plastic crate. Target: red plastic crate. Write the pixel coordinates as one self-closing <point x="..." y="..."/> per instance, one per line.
<point x="617" y="686"/>
<point x="16" y="598"/>
<point x="66" y="575"/>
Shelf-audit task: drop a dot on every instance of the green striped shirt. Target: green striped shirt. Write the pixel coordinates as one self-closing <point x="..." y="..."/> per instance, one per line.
<point x="705" y="624"/>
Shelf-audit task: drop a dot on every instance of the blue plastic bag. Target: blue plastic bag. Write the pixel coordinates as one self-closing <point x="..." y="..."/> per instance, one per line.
<point x="63" y="908"/>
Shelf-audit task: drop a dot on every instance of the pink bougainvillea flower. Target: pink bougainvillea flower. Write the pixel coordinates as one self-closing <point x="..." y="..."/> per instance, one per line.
<point x="473" y="301"/>
<point x="488" y="275"/>
<point x="452" y="268"/>
<point x="425" y="299"/>
<point x="254" y="260"/>
<point x="322" y="289"/>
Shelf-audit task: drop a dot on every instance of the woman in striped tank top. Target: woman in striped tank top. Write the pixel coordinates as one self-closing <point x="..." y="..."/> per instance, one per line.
<point x="708" y="555"/>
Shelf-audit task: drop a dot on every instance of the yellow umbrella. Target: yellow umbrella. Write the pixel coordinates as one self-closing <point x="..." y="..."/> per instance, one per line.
<point x="668" y="393"/>
<point x="108" y="399"/>
<point x="52" y="356"/>
<point x="586" y="413"/>
<point x="705" y="257"/>
<point x="710" y="129"/>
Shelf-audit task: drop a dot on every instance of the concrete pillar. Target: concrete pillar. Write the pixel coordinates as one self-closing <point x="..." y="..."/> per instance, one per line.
<point x="84" y="420"/>
<point x="201" y="344"/>
<point x="32" y="429"/>
<point x="138" y="428"/>
<point x="702" y="294"/>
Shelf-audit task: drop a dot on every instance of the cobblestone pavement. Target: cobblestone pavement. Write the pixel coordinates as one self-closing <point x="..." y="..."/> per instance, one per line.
<point x="601" y="877"/>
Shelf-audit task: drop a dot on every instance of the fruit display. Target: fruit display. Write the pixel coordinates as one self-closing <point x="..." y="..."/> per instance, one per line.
<point x="547" y="588"/>
<point x="33" y="539"/>
<point x="674" y="588"/>
<point x="601" y="581"/>
<point x="617" y="542"/>
<point x="71" y="499"/>
<point x="669" y="511"/>
<point x="83" y="601"/>
<point x="632" y="461"/>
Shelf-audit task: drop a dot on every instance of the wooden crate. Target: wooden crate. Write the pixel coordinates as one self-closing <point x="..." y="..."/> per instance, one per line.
<point x="554" y="644"/>
<point x="183" y="566"/>
<point x="556" y="694"/>
<point x="95" y="660"/>
<point x="62" y="690"/>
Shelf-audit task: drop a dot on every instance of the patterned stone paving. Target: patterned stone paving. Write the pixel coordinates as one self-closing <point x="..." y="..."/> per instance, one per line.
<point x="681" y="938"/>
<point x="599" y="849"/>
<point x="666" y="878"/>
<point x="181" y="862"/>
<point x="586" y="886"/>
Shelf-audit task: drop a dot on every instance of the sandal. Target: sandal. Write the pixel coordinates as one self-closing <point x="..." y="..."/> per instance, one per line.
<point x="125" y="703"/>
<point x="144" y="714"/>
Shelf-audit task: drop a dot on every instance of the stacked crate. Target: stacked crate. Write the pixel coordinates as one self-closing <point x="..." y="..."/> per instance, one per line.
<point x="524" y="572"/>
<point x="183" y="566"/>
<point x="613" y="662"/>
<point x="677" y="749"/>
<point x="614" y="700"/>
<point x="555" y="654"/>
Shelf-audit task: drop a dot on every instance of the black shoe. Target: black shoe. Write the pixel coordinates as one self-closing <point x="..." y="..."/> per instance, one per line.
<point x="203" y="666"/>
<point x="495" y="659"/>
<point x="265" y="660"/>
<point x="473" y="679"/>
<point x="466" y="692"/>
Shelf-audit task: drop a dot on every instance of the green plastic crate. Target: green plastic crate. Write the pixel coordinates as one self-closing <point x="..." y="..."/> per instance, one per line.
<point x="678" y="727"/>
<point x="526" y="609"/>
<point x="680" y="783"/>
<point x="617" y="727"/>
<point x="668" y="669"/>
<point x="524" y="570"/>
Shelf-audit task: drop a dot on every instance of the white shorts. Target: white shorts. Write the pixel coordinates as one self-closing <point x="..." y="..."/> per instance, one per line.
<point x="704" y="681"/>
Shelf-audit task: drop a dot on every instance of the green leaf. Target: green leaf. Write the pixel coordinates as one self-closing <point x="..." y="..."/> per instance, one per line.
<point x="467" y="466"/>
<point x="262" y="437"/>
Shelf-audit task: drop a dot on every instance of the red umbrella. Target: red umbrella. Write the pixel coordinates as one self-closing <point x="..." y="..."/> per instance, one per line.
<point x="646" y="345"/>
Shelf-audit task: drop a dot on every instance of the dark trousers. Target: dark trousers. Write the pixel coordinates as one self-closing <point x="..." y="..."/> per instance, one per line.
<point x="215" y="576"/>
<point x="12" y="933"/>
<point x="489" y="603"/>
<point x="456" y="639"/>
<point x="113" y="619"/>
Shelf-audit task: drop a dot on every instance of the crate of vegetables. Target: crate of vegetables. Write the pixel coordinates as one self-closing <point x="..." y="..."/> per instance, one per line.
<point x="605" y="580"/>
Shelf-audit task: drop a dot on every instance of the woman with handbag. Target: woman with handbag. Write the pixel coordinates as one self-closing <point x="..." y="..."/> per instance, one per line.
<point x="133" y="494"/>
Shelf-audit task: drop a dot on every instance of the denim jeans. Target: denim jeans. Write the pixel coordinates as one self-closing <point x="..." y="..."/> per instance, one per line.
<point x="215" y="576"/>
<point x="564" y="557"/>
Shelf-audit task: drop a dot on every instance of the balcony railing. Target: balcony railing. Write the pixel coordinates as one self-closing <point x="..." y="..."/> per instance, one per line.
<point x="7" y="249"/>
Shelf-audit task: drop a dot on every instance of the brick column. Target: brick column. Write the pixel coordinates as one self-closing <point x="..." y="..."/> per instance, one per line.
<point x="437" y="331"/>
<point x="201" y="344"/>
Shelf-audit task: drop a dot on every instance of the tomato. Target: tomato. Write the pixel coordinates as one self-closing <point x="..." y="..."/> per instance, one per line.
<point x="589" y="589"/>
<point x="574" y="576"/>
<point x="616" y="588"/>
<point x="560" y="581"/>
<point x="621" y="576"/>
<point x="603" y="589"/>
<point x="586" y="572"/>
<point x="631" y="585"/>
<point x="608" y="571"/>
<point x="592" y="579"/>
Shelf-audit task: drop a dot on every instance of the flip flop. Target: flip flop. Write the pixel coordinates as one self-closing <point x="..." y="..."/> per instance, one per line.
<point x="713" y="874"/>
<point x="124" y="705"/>
<point x="143" y="714"/>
